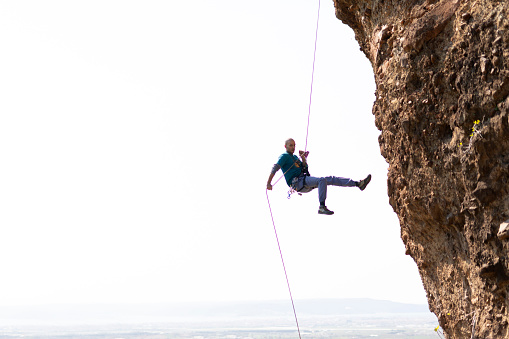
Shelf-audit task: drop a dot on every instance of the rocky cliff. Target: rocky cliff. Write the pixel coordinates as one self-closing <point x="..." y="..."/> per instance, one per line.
<point x="442" y="84"/>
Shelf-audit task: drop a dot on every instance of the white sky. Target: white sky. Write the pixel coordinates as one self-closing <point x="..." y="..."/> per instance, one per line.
<point x="136" y="138"/>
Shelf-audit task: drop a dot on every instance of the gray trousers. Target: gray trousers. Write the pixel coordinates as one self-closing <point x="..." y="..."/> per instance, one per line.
<point x="304" y="184"/>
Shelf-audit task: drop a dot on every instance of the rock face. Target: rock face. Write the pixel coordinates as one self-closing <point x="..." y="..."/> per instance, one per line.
<point x="442" y="84"/>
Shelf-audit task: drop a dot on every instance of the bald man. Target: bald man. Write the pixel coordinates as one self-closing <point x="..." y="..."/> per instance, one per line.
<point x="297" y="176"/>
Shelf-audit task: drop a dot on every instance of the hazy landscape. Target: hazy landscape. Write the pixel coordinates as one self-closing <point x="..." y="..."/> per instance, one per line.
<point x="341" y="318"/>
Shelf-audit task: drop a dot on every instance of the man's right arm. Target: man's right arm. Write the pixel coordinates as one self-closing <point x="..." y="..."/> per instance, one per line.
<point x="275" y="168"/>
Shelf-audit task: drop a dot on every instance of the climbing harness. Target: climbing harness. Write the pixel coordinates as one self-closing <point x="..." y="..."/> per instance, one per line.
<point x="291" y="191"/>
<point x="304" y="169"/>
<point x="294" y="187"/>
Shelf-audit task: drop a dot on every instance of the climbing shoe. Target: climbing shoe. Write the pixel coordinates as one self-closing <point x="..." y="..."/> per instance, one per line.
<point x="364" y="182"/>
<point x="324" y="210"/>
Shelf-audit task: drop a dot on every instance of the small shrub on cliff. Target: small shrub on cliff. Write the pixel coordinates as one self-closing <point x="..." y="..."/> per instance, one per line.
<point x="476" y="130"/>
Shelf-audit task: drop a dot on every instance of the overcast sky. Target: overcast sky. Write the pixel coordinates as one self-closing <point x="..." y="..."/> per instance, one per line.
<point x="136" y="138"/>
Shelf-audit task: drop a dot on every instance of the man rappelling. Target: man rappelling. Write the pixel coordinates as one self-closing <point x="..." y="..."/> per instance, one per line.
<point x="298" y="178"/>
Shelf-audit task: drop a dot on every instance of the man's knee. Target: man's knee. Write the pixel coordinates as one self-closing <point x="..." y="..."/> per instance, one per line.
<point x="323" y="182"/>
<point x="329" y="180"/>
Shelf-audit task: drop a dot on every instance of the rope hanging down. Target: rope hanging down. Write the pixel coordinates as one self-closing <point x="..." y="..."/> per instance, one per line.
<point x="282" y="260"/>
<point x="312" y="76"/>
<point x="305" y="149"/>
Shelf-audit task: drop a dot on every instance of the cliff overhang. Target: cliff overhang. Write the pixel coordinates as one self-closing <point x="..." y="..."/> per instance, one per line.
<point x="442" y="105"/>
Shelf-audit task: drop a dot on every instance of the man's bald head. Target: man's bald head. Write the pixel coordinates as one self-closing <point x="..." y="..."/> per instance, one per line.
<point x="290" y="145"/>
<point x="289" y="140"/>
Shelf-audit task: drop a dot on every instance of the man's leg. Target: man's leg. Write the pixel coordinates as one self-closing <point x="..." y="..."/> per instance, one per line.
<point x="322" y="183"/>
<point x="338" y="181"/>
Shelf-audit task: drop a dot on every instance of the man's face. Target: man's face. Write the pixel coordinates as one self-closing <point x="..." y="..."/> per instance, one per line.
<point x="290" y="146"/>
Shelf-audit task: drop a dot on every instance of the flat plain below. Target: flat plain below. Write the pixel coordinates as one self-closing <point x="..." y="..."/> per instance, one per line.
<point x="329" y="318"/>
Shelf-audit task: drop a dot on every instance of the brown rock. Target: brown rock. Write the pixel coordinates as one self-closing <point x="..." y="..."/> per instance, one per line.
<point x="429" y="25"/>
<point x="443" y="67"/>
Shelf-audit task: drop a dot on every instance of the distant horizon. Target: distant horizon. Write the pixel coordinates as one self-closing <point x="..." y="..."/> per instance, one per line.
<point x="231" y="309"/>
<point x="202" y="302"/>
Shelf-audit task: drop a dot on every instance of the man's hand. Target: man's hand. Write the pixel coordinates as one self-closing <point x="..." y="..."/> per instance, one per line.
<point x="303" y="155"/>
<point x="271" y="176"/>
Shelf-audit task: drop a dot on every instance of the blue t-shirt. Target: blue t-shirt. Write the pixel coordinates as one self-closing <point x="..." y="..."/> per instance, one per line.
<point x="290" y="165"/>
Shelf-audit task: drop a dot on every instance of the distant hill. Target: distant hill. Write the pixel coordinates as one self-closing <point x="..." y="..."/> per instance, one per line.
<point x="162" y="312"/>
<point x="304" y="307"/>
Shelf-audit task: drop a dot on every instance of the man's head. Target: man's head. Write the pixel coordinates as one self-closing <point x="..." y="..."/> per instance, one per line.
<point x="290" y="145"/>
